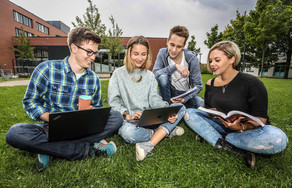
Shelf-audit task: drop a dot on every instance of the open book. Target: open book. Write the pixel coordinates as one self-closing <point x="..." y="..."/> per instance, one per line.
<point x="185" y="94"/>
<point x="233" y="112"/>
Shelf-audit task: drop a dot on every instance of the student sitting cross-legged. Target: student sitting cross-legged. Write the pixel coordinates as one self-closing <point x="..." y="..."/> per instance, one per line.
<point x="232" y="90"/>
<point x="132" y="89"/>
<point x="55" y="86"/>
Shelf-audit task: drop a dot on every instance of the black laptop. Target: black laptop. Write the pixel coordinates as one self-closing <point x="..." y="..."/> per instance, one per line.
<point x="155" y="116"/>
<point x="76" y="124"/>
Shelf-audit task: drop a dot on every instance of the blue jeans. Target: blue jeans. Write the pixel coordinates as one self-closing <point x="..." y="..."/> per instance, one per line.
<point x="32" y="138"/>
<point x="133" y="134"/>
<point x="262" y="140"/>
<point x="167" y="91"/>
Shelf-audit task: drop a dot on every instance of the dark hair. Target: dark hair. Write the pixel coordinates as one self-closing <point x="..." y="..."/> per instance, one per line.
<point x="179" y="31"/>
<point x="127" y="60"/>
<point x="82" y="34"/>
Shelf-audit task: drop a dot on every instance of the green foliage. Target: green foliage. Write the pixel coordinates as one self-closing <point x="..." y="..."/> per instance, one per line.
<point x="176" y="162"/>
<point x="265" y="28"/>
<point x="213" y="37"/>
<point x="284" y="35"/>
<point x="23" y="48"/>
<point x="112" y="41"/>
<point x="234" y="32"/>
<point x="192" y="45"/>
<point x="263" y="33"/>
<point x="91" y="20"/>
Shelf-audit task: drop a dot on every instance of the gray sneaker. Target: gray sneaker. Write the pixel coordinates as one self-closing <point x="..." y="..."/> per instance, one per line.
<point x="177" y="131"/>
<point x="143" y="149"/>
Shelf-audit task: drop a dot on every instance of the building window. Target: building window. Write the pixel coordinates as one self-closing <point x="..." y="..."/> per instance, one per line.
<point x="22" y="19"/>
<point x="41" y="54"/>
<point x="27" y="34"/>
<point x="279" y="69"/>
<point x="42" y="28"/>
<point x="265" y="71"/>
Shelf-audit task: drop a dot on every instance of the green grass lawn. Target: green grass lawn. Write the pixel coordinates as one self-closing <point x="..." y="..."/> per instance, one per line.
<point x="176" y="162"/>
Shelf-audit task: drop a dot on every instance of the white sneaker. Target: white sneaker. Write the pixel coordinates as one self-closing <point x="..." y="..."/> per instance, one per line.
<point x="143" y="149"/>
<point x="177" y="131"/>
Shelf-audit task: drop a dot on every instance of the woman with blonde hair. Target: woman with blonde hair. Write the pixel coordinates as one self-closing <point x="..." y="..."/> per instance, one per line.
<point x="233" y="90"/>
<point x="132" y="89"/>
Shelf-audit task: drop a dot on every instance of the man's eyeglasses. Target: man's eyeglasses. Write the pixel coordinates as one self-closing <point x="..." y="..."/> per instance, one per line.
<point x="89" y="52"/>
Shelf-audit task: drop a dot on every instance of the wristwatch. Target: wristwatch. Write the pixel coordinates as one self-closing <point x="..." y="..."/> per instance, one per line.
<point x="124" y="115"/>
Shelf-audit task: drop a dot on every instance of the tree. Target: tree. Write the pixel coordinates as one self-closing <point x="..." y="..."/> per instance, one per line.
<point x="112" y="41"/>
<point x="192" y="45"/>
<point x="234" y="32"/>
<point x="284" y="35"/>
<point x="91" y="20"/>
<point x="262" y="28"/>
<point x="23" y="49"/>
<point x="213" y="37"/>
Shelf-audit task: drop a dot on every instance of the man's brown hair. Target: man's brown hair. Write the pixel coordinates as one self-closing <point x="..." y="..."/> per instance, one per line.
<point x="82" y="34"/>
<point x="179" y="31"/>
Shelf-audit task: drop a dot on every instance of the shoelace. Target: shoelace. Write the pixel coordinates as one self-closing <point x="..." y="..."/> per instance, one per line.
<point x="100" y="149"/>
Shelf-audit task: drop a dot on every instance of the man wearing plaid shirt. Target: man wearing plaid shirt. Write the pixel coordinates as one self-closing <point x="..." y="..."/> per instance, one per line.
<point x="54" y="87"/>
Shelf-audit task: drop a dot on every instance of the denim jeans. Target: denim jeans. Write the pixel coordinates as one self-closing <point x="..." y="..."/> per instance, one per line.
<point x="133" y="134"/>
<point x="32" y="138"/>
<point x="167" y="91"/>
<point x="262" y="140"/>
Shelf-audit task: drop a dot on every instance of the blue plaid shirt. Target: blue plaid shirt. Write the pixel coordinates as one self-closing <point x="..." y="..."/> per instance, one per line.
<point x="53" y="87"/>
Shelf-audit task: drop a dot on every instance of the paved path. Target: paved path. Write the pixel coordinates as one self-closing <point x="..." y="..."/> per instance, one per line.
<point x="25" y="82"/>
<point x="14" y="83"/>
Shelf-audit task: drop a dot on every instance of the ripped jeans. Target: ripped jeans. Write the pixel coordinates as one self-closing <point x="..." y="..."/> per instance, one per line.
<point x="133" y="134"/>
<point x="262" y="140"/>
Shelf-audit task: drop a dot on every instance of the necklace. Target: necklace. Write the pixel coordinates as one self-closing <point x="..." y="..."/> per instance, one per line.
<point x="224" y="88"/>
<point x="135" y="80"/>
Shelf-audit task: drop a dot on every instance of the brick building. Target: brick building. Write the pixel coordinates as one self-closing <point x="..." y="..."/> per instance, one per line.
<point x="49" y="38"/>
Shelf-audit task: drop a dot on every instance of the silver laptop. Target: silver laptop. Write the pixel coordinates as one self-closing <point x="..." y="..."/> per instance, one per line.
<point x="76" y="124"/>
<point x="155" y="116"/>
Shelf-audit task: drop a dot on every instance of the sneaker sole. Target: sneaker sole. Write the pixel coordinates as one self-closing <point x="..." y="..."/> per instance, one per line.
<point x="40" y="166"/>
<point x="139" y="155"/>
<point x="116" y="149"/>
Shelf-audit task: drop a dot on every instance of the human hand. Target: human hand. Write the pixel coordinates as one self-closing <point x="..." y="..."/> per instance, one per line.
<point x="45" y="116"/>
<point x="178" y="100"/>
<point x="89" y="107"/>
<point x="234" y="125"/>
<point x="172" y="118"/>
<point x="183" y="70"/>
<point x="137" y="115"/>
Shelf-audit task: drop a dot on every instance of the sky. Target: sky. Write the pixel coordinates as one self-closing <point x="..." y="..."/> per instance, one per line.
<point x="151" y="18"/>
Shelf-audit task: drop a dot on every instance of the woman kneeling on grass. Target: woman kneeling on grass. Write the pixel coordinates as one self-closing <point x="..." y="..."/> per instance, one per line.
<point x="132" y="89"/>
<point x="233" y="90"/>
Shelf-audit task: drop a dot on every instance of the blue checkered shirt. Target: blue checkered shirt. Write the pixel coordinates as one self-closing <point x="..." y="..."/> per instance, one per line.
<point x="53" y="87"/>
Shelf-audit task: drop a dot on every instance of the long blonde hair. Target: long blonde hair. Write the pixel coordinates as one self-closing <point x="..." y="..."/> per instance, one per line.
<point x="127" y="60"/>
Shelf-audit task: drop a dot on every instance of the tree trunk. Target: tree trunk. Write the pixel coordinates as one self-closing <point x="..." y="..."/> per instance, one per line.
<point x="262" y="66"/>
<point x="114" y="62"/>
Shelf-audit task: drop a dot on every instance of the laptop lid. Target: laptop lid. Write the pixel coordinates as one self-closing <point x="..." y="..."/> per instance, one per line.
<point x="156" y="116"/>
<point x="76" y="124"/>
